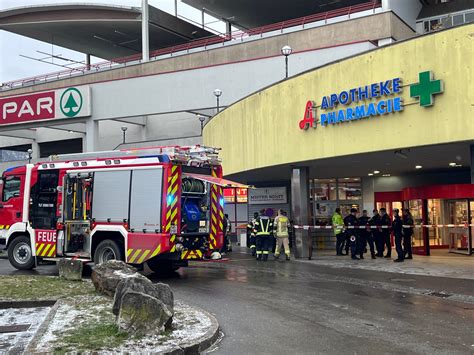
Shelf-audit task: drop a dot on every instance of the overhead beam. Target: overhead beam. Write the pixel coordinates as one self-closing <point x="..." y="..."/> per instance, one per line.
<point x="75" y="127"/>
<point x="23" y="134"/>
<point x="141" y="121"/>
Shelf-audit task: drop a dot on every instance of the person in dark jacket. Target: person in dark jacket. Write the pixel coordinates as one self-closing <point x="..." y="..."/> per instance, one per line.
<point x="352" y="233"/>
<point x="376" y="235"/>
<point x="407" y="233"/>
<point x="385" y="224"/>
<point x="263" y="228"/>
<point x="251" y="234"/>
<point x="366" y="235"/>
<point x="397" y="226"/>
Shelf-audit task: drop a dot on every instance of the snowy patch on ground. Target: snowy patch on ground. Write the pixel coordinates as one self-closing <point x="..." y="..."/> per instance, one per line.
<point x="189" y="324"/>
<point x="71" y="314"/>
<point x="16" y="342"/>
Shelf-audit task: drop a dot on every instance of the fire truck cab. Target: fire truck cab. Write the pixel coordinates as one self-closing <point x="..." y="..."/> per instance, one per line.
<point x="160" y="205"/>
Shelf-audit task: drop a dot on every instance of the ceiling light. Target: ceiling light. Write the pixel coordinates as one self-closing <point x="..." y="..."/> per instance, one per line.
<point x="386" y="175"/>
<point x="418" y="167"/>
<point x="370" y="174"/>
<point x="452" y="164"/>
<point x="376" y="172"/>
<point x="346" y="178"/>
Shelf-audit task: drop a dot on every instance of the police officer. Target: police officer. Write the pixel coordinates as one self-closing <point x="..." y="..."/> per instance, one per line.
<point x="366" y="234"/>
<point x="338" y="224"/>
<point x="352" y="234"/>
<point x="407" y="233"/>
<point x="376" y="235"/>
<point x="397" y="225"/>
<point x="251" y="234"/>
<point x="263" y="228"/>
<point x="385" y="224"/>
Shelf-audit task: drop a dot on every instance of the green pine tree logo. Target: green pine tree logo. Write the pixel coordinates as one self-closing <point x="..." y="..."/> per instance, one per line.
<point x="71" y="102"/>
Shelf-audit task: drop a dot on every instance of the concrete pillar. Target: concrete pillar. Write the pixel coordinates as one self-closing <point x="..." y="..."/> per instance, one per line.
<point x="368" y="195"/>
<point x="90" y="142"/>
<point x="145" y="33"/>
<point x="472" y="164"/>
<point x="36" y="150"/>
<point x="300" y="209"/>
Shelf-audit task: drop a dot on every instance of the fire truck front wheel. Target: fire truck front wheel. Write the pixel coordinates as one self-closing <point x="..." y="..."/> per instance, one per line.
<point x="20" y="254"/>
<point x="107" y="250"/>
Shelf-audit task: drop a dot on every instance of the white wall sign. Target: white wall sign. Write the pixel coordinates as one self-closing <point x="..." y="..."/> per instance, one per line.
<point x="267" y="195"/>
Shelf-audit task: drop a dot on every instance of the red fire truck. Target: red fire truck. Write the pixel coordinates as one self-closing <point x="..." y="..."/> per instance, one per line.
<point x="160" y="205"/>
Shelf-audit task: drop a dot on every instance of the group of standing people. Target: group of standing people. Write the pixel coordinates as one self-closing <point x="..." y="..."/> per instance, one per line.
<point x="263" y="231"/>
<point x="350" y="235"/>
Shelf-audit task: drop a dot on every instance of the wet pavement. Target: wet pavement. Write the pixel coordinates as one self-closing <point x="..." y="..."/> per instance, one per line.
<point x="293" y="307"/>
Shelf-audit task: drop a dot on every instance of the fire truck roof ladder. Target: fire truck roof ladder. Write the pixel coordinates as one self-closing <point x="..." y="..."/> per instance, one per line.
<point x="188" y="155"/>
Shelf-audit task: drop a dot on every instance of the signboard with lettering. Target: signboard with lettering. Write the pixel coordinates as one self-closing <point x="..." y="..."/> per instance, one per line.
<point x="47" y="105"/>
<point x="364" y="102"/>
<point x="231" y="194"/>
<point x="267" y="195"/>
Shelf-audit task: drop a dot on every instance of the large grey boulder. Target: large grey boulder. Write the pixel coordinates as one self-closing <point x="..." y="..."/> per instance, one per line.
<point x="141" y="284"/>
<point x="141" y="314"/>
<point x="106" y="276"/>
<point x="70" y="269"/>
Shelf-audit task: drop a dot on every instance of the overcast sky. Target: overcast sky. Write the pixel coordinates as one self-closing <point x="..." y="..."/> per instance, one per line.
<point x="13" y="66"/>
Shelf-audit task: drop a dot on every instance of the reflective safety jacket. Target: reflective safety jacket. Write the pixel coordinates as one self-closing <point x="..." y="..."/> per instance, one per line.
<point x="263" y="226"/>
<point x="338" y="222"/>
<point x="250" y="228"/>
<point x="281" y="225"/>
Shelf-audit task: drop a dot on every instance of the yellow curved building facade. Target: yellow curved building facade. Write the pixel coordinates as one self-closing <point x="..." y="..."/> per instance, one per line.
<point x="262" y="130"/>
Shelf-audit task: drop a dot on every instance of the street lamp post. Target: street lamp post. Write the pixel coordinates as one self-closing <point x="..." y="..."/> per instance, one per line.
<point x="30" y="153"/>
<point x="217" y="94"/>
<point x="201" y="119"/>
<point x="286" y="51"/>
<point x="124" y="129"/>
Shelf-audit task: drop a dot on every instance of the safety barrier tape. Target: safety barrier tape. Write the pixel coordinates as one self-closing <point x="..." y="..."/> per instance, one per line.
<point x="386" y="227"/>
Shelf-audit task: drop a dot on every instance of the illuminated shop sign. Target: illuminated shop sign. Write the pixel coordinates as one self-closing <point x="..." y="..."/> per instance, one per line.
<point x="364" y="102"/>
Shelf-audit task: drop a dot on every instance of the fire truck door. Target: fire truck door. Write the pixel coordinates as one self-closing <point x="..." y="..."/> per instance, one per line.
<point x="44" y="197"/>
<point x="12" y="200"/>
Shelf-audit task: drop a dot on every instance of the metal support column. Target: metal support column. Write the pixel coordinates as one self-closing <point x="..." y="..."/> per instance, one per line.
<point x="88" y="61"/>
<point x="145" y="35"/>
<point x="300" y="209"/>
<point x="91" y="141"/>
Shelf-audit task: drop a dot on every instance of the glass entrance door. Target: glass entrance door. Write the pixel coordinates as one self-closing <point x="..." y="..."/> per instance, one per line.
<point x="460" y="237"/>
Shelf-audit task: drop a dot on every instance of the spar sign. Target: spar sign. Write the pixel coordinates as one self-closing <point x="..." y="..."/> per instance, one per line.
<point x="48" y="105"/>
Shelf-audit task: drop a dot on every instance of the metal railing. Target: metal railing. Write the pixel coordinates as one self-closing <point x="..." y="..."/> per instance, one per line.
<point x="198" y="43"/>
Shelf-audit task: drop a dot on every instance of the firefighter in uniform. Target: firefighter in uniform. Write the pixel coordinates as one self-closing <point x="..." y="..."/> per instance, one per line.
<point x="366" y="235"/>
<point x="338" y="224"/>
<point x="251" y="233"/>
<point x="352" y="234"/>
<point x="263" y="228"/>
<point x="281" y="226"/>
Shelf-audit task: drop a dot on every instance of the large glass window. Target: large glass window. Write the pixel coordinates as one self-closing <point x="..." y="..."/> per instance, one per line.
<point x="350" y="189"/>
<point x="324" y="190"/>
<point x="469" y="17"/>
<point x="11" y="187"/>
<point x="458" y="19"/>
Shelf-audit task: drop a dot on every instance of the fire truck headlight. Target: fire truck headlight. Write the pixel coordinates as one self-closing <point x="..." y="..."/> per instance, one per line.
<point x="179" y="247"/>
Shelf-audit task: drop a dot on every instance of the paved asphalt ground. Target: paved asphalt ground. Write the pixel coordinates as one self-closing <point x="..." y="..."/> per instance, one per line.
<point x="293" y="307"/>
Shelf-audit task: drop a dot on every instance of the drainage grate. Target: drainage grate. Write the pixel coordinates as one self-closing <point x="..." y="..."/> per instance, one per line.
<point x="14" y="328"/>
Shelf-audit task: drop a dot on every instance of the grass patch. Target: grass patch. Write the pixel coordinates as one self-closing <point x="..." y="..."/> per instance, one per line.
<point x="95" y="336"/>
<point x="24" y="287"/>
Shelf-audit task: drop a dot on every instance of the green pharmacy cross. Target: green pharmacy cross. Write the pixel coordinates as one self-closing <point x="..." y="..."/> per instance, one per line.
<point x="426" y="88"/>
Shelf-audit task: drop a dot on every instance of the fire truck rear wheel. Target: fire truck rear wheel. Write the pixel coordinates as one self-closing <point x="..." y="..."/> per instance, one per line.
<point x="20" y="254"/>
<point x="107" y="250"/>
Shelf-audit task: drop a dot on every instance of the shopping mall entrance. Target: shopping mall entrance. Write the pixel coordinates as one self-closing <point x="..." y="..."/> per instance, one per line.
<point x="443" y="215"/>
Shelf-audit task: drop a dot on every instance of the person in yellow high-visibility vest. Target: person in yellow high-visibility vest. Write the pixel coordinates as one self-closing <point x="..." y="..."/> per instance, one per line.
<point x="338" y="224"/>
<point x="280" y="228"/>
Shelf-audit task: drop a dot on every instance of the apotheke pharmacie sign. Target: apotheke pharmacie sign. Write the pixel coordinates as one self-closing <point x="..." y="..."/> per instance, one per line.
<point x="267" y="195"/>
<point x="384" y="96"/>
<point x="48" y="105"/>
